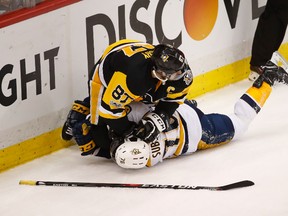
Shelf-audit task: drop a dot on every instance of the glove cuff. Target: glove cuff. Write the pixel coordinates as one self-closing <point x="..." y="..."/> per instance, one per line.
<point x="157" y="120"/>
<point x="87" y="148"/>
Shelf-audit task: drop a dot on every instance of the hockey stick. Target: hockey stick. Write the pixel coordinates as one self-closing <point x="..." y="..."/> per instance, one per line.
<point x="235" y="185"/>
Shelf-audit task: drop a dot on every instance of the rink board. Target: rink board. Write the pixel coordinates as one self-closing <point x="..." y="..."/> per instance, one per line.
<point x="43" y="71"/>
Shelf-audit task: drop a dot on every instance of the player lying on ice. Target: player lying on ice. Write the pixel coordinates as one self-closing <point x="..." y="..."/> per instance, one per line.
<point x="189" y="128"/>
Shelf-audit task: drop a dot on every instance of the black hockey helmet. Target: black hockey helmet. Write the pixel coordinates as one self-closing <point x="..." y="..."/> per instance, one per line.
<point x="168" y="58"/>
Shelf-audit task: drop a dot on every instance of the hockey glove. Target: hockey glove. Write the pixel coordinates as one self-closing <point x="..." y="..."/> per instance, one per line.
<point x="151" y="125"/>
<point x="82" y="134"/>
<point x="192" y="103"/>
<point x="117" y="140"/>
<point x="79" y="111"/>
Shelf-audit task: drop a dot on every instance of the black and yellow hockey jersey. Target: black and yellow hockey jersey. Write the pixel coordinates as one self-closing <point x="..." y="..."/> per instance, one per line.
<point x="124" y="74"/>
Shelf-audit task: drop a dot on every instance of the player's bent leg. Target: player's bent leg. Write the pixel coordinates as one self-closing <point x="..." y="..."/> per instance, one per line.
<point x="247" y="107"/>
<point x="217" y="129"/>
<point x="242" y="117"/>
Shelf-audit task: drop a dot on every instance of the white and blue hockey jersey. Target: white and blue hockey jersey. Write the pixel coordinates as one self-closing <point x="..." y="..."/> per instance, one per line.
<point x="192" y="130"/>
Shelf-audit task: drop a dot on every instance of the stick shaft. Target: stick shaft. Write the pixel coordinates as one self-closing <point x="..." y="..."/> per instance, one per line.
<point x="239" y="184"/>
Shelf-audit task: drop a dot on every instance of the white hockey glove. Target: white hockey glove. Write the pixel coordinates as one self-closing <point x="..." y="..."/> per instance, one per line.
<point x="151" y="125"/>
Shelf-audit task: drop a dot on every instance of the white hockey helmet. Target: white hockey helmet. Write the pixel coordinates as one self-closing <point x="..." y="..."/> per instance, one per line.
<point x="132" y="154"/>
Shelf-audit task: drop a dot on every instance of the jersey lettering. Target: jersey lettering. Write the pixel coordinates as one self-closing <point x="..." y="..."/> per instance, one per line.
<point x="170" y="89"/>
<point x="131" y="50"/>
<point x="155" y="148"/>
<point x="120" y="94"/>
<point x="80" y="108"/>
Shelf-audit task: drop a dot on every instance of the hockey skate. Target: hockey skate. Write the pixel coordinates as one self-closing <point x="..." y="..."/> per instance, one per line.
<point x="277" y="59"/>
<point x="271" y="74"/>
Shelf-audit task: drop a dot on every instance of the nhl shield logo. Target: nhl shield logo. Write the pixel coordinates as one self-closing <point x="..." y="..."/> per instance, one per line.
<point x="188" y="77"/>
<point x="164" y="57"/>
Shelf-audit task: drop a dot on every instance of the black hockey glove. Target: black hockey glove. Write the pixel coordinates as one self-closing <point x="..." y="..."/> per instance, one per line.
<point x="117" y="140"/>
<point x="151" y="125"/>
<point x="82" y="134"/>
<point x="79" y="111"/>
<point x="192" y="103"/>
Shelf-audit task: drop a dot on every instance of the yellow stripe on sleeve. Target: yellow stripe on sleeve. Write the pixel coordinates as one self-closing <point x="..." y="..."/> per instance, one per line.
<point x="95" y="100"/>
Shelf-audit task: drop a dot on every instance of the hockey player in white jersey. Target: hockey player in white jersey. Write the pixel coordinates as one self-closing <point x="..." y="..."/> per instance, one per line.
<point x="189" y="128"/>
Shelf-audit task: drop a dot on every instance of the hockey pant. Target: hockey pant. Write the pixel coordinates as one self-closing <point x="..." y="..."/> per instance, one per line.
<point x="218" y="129"/>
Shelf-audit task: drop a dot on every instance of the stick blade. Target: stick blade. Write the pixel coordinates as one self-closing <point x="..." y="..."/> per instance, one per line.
<point x="241" y="184"/>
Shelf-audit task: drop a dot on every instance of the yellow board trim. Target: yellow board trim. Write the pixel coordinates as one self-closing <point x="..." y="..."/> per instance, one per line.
<point x="219" y="78"/>
<point x="49" y="142"/>
<point x="31" y="149"/>
<point x="225" y="75"/>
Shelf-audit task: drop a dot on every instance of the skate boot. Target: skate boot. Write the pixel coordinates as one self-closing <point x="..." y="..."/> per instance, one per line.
<point x="276" y="58"/>
<point x="271" y="74"/>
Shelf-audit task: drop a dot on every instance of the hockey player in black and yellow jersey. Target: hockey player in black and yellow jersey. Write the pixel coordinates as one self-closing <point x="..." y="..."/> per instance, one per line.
<point x="133" y="71"/>
<point x="189" y="128"/>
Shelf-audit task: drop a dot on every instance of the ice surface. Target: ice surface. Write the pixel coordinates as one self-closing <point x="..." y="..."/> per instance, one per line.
<point x="261" y="156"/>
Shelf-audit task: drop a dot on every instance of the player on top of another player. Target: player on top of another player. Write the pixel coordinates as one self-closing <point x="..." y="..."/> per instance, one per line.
<point x="189" y="128"/>
<point x="133" y="71"/>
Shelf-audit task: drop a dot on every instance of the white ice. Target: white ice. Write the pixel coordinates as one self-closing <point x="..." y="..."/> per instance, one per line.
<point x="261" y="156"/>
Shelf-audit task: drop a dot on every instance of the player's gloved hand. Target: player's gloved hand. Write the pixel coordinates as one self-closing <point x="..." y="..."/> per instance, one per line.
<point x="117" y="140"/>
<point x="82" y="134"/>
<point x="192" y="103"/>
<point x="78" y="112"/>
<point x="151" y="125"/>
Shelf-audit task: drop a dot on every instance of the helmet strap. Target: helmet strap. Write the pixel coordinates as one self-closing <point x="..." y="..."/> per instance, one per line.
<point x="159" y="78"/>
